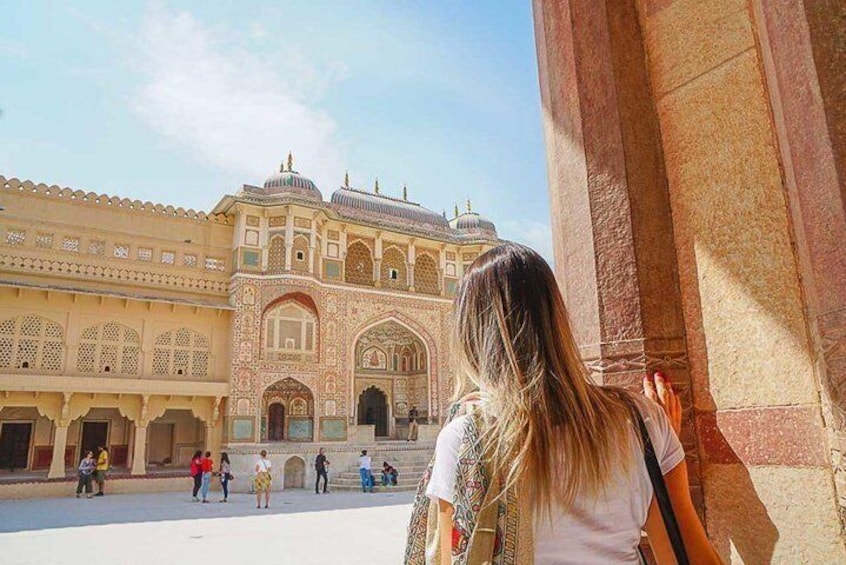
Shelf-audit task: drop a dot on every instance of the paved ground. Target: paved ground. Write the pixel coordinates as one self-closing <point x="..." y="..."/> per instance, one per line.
<point x="300" y="528"/>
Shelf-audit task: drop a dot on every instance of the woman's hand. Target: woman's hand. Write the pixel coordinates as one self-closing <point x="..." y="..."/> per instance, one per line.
<point x="659" y="389"/>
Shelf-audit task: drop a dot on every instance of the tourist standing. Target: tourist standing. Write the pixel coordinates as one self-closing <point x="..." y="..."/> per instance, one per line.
<point x="86" y="469"/>
<point x="320" y="465"/>
<point x="262" y="480"/>
<point x="567" y="461"/>
<point x="102" y="469"/>
<point x="365" y="471"/>
<point x="197" y="474"/>
<point x="225" y="475"/>
<point x="208" y="469"/>
<point x="412" y="424"/>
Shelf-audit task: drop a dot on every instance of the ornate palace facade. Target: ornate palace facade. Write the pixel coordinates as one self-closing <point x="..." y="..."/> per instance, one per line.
<point x="279" y="318"/>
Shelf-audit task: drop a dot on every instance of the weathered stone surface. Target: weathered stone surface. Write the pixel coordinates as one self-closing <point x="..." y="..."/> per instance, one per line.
<point x="733" y="241"/>
<point x="688" y="38"/>
<point x="783" y="515"/>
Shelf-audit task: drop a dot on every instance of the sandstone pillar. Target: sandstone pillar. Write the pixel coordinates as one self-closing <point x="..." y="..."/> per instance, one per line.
<point x="611" y="216"/>
<point x="139" y="450"/>
<point x="60" y="441"/>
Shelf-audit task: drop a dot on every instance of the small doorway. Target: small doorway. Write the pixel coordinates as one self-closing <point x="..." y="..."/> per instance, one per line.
<point x="14" y="445"/>
<point x="94" y="435"/>
<point x="294" y="473"/>
<point x="160" y="444"/>
<point x="373" y="410"/>
<point x="275" y="422"/>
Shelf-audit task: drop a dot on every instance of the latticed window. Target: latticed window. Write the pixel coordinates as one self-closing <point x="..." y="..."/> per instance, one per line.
<point x="276" y="254"/>
<point x="145" y="254"/>
<point x="121" y="251"/>
<point x="189" y="260"/>
<point x="358" y="267"/>
<point x="181" y="352"/>
<point x="96" y="247"/>
<point x="426" y="274"/>
<point x="31" y="342"/>
<point x="70" y="244"/>
<point x="44" y="240"/>
<point x="15" y="237"/>
<point x="168" y="257"/>
<point x="109" y="348"/>
<point x="289" y="329"/>
<point x="214" y="264"/>
<point x="300" y="251"/>
<point x="394" y="271"/>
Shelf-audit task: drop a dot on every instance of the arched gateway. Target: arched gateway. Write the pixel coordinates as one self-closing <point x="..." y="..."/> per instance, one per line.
<point x="287" y="412"/>
<point x="391" y="376"/>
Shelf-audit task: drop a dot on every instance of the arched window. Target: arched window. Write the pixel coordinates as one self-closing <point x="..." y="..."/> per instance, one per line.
<point x="31" y="342"/>
<point x="276" y="254"/>
<point x="426" y="274"/>
<point x="358" y="265"/>
<point x="109" y="348"/>
<point x="290" y="332"/>
<point x="181" y="352"/>
<point x="299" y="253"/>
<point x="394" y="271"/>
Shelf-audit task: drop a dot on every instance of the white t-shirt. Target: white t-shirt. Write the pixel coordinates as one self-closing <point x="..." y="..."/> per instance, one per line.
<point x="263" y="465"/>
<point x="364" y="462"/>
<point x="592" y="533"/>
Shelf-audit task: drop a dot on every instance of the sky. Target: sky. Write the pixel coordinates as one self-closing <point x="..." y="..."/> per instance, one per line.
<point x="182" y="102"/>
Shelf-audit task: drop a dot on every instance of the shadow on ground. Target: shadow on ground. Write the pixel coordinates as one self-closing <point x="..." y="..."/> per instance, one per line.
<point x="49" y="513"/>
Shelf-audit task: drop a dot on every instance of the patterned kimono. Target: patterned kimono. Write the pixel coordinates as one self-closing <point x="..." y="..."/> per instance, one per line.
<point x="490" y="527"/>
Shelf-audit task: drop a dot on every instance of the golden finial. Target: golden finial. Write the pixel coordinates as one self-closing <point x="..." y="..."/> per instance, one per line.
<point x="456" y="210"/>
<point x="347" y="179"/>
<point x="404" y="192"/>
<point x="469" y="206"/>
<point x="444" y="213"/>
<point x="282" y="167"/>
<point x="290" y="162"/>
<point x="376" y="186"/>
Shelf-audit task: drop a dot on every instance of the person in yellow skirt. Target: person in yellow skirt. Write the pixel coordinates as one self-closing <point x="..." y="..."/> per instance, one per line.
<point x="262" y="479"/>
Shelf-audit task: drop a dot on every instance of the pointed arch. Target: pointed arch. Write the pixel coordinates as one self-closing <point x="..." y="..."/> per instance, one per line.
<point x="358" y="264"/>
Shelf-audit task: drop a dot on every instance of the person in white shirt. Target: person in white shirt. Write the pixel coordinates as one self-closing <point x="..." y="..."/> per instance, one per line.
<point x="365" y="471"/>
<point x="563" y="454"/>
<point x="262" y="480"/>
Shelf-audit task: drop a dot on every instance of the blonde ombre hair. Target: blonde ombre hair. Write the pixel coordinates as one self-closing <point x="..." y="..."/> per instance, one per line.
<point x="544" y="418"/>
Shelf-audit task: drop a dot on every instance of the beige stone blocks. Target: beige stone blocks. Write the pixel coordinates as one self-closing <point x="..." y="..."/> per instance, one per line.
<point x="733" y="240"/>
<point x="688" y="38"/>
<point x="782" y="515"/>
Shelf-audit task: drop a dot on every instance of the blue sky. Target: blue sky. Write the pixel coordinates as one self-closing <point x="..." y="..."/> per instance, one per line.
<point x="180" y="103"/>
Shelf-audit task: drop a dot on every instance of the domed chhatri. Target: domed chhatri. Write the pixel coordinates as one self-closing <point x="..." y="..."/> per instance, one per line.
<point x="290" y="181"/>
<point x="472" y="222"/>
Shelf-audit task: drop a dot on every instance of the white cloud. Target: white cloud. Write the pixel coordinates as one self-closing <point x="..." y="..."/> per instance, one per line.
<point x="232" y="109"/>
<point x="536" y="235"/>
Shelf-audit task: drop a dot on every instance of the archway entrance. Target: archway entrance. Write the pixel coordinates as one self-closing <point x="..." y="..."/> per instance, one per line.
<point x="275" y="422"/>
<point x="294" y="473"/>
<point x="287" y="412"/>
<point x="373" y="410"/>
<point x="393" y="360"/>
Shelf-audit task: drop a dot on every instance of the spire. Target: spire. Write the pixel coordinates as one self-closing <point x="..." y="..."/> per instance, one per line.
<point x="347" y="179"/>
<point x="282" y="167"/>
<point x="290" y="162"/>
<point x="469" y="206"/>
<point x="456" y="210"/>
<point x="404" y="192"/>
<point x="444" y="214"/>
<point x="376" y="186"/>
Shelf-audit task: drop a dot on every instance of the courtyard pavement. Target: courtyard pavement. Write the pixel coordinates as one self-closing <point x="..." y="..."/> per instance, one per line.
<point x="300" y="528"/>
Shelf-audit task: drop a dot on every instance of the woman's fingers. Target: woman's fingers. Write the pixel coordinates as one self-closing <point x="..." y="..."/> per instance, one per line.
<point x="669" y="401"/>
<point x="649" y="389"/>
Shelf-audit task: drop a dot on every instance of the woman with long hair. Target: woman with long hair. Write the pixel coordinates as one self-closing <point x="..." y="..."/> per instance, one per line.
<point x="544" y="466"/>
<point x="197" y="474"/>
<point x="225" y="475"/>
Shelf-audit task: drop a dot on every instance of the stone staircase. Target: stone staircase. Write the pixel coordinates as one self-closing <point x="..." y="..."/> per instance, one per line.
<point x="411" y="462"/>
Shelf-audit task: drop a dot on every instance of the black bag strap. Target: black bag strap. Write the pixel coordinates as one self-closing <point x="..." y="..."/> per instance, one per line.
<point x="656" y="477"/>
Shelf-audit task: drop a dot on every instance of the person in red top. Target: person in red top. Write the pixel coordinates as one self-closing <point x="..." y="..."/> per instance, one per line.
<point x="208" y="468"/>
<point x="197" y="473"/>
